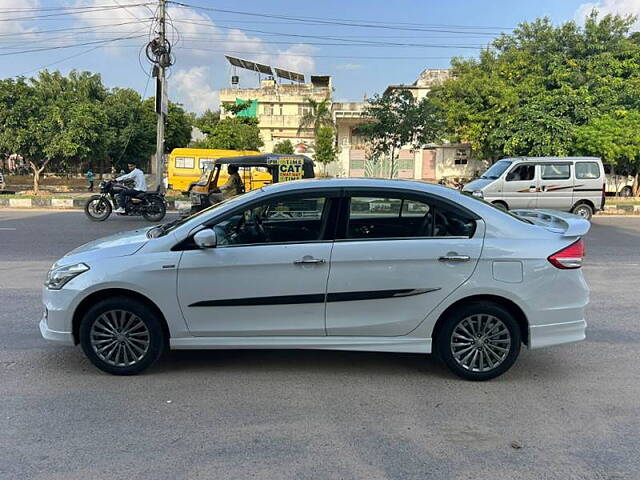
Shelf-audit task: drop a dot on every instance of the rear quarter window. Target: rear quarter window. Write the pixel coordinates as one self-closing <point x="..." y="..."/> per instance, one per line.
<point x="587" y="170"/>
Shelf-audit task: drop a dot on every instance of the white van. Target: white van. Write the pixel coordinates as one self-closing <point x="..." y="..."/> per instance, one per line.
<point x="571" y="184"/>
<point x="617" y="182"/>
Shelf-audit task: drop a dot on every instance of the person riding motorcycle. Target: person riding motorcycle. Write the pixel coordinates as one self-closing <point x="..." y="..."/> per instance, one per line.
<point x="140" y="186"/>
<point x="231" y="188"/>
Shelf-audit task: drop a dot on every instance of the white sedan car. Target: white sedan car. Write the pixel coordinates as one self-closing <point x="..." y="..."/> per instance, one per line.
<point x="345" y="264"/>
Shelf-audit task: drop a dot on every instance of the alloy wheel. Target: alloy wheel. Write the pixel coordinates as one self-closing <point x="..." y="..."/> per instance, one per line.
<point x="480" y="343"/>
<point x="120" y="338"/>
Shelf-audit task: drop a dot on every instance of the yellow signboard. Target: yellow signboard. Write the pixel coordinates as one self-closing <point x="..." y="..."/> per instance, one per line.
<point x="290" y="168"/>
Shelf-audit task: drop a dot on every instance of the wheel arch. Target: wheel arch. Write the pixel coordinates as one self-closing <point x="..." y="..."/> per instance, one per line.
<point x="500" y="202"/>
<point x="585" y="201"/>
<point x="92" y="299"/>
<point x="510" y="305"/>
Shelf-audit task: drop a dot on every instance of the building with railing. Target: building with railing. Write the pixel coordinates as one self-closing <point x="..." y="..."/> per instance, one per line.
<point x="279" y="108"/>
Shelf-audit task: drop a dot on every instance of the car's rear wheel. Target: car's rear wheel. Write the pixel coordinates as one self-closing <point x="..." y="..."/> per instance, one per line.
<point x="121" y="336"/>
<point x="479" y="341"/>
<point x="583" y="210"/>
<point x="155" y="210"/>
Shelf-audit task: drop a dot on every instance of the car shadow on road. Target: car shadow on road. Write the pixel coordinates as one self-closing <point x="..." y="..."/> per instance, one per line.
<point x="308" y="361"/>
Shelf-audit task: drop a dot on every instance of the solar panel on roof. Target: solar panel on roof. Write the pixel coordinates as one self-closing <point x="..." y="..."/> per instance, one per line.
<point x="289" y="75"/>
<point x="249" y="65"/>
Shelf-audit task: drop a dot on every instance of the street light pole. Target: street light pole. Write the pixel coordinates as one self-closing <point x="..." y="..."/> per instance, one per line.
<point x="161" y="96"/>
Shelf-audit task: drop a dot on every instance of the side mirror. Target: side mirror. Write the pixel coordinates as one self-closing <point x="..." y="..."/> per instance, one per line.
<point x="206" y="238"/>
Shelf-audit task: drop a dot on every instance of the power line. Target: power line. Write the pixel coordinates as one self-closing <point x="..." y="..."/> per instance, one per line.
<point x="324" y="37"/>
<point x="69" y="12"/>
<point x="62" y="60"/>
<point x="331" y="21"/>
<point x="70" y="46"/>
<point x="67" y="29"/>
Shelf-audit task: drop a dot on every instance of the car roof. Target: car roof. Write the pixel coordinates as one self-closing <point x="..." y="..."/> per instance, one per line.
<point x="551" y="159"/>
<point x="373" y="183"/>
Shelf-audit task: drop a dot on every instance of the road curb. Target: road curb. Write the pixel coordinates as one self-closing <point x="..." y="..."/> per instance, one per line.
<point x="68" y="203"/>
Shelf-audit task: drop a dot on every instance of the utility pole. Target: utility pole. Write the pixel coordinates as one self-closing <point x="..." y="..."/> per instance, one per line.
<point x="159" y="52"/>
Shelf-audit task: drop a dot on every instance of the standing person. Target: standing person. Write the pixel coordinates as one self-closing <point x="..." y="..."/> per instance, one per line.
<point x="90" y="178"/>
<point x="140" y="185"/>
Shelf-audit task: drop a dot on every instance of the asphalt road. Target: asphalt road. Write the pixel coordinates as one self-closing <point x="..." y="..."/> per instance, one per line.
<point x="573" y="410"/>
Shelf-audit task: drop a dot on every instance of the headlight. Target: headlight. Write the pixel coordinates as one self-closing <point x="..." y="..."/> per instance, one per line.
<point x="195" y="198"/>
<point x="58" y="277"/>
<point x="478" y="193"/>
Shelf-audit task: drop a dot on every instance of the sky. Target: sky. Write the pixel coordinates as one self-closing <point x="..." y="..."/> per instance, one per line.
<point x="364" y="45"/>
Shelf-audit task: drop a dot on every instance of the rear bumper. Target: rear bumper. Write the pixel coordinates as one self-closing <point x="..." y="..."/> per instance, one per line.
<point x="556" y="333"/>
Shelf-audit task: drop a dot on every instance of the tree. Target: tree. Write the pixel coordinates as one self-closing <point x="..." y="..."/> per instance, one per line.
<point x="207" y="121"/>
<point x="325" y="150"/>
<point x="234" y="133"/>
<point x="614" y="137"/>
<point x="284" y="147"/>
<point x="317" y="115"/>
<point x="52" y="120"/>
<point x="128" y="136"/>
<point x="530" y="92"/>
<point x="177" y="132"/>
<point x="397" y="119"/>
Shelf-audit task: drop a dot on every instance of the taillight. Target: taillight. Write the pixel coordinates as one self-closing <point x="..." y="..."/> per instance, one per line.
<point x="569" y="257"/>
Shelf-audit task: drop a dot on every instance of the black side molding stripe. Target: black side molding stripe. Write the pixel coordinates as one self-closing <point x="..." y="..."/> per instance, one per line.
<point x="587" y="189"/>
<point x="253" y="301"/>
<point x="314" y="298"/>
<point x="376" y="294"/>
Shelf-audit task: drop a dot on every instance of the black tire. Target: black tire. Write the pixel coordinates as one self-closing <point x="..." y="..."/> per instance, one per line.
<point x="583" y="210"/>
<point x="501" y="204"/>
<point x="148" y="338"/>
<point x="156" y="210"/>
<point x="626" y="192"/>
<point x="97" y="208"/>
<point x="455" y="360"/>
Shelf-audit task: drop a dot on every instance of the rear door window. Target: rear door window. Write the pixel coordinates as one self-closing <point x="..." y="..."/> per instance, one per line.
<point x="556" y="171"/>
<point x="587" y="170"/>
<point x="394" y="217"/>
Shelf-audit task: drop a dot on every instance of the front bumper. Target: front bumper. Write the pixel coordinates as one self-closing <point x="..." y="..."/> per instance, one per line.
<point x="64" y="338"/>
<point x="556" y="333"/>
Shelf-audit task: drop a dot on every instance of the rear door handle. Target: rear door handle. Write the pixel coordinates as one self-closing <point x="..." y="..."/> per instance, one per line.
<point x="454" y="258"/>
<point x="309" y="261"/>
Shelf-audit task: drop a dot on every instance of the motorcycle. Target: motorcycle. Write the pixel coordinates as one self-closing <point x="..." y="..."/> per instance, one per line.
<point x="151" y="205"/>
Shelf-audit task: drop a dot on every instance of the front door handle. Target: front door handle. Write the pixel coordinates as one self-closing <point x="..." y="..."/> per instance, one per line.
<point x="454" y="258"/>
<point x="309" y="261"/>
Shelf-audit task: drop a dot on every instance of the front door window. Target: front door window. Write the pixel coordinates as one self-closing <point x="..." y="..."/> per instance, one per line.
<point x="266" y="276"/>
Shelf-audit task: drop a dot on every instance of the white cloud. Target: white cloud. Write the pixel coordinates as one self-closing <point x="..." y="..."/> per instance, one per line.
<point x="16" y="26"/>
<point x="620" y="7"/>
<point x="348" y="66"/>
<point x="199" y="44"/>
<point x="193" y="89"/>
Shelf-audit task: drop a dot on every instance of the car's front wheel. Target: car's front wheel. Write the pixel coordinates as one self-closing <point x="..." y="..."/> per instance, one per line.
<point x="121" y="336"/>
<point x="479" y="341"/>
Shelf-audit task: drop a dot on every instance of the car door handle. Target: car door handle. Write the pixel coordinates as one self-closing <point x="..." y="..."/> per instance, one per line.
<point x="309" y="261"/>
<point x="454" y="258"/>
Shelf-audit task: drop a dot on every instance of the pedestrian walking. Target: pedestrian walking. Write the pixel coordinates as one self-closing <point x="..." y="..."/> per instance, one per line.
<point x="90" y="178"/>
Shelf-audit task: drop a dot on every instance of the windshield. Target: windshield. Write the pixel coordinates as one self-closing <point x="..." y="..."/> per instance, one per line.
<point x="496" y="169"/>
<point x="162" y="230"/>
<point x="204" y="178"/>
